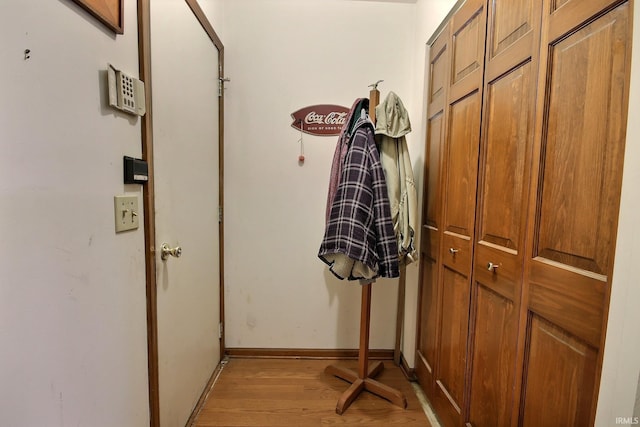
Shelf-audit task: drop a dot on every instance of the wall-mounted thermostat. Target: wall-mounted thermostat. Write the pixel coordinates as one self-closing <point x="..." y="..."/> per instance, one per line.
<point x="136" y="171"/>
<point x="126" y="93"/>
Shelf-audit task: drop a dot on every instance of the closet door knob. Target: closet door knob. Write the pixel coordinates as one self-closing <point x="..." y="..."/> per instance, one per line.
<point x="453" y="251"/>
<point x="492" y="267"/>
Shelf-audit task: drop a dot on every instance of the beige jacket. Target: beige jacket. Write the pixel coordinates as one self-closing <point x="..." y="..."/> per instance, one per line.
<point x="392" y="124"/>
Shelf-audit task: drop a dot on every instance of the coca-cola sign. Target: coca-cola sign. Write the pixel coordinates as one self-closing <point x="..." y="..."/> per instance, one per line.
<point x="321" y="120"/>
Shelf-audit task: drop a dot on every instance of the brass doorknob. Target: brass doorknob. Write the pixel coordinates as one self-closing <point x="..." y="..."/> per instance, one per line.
<point x="492" y="267"/>
<point x="166" y="251"/>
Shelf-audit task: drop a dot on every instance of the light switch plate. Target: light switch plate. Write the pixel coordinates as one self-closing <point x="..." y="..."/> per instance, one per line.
<point x="126" y="213"/>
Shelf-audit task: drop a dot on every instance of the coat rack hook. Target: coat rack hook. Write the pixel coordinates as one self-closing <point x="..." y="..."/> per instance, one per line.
<point x="375" y="85"/>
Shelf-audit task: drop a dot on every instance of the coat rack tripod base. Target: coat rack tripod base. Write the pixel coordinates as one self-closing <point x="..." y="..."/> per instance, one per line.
<point x="358" y="385"/>
<point x="364" y="378"/>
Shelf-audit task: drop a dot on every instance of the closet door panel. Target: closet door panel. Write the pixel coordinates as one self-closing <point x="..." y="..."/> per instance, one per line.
<point x="568" y="299"/>
<point x="438" y="73"/>
<point x="427" y="331"/>
<point x="428" y="314"/>
<point x="498" y="258"/>
<point x="462" y="153"/>
<point x="463" y="138"/>
<point x="430" y="247"/>
<point x="507" y="140"/>
<point x="502" y="198"/>
<point x="512" y="35"/>
<point x="501" y="213"/>
<point x="583" y="111"/>
<point x="463" y="134"/>
<point x="518" y="53"/>
<point x="505" y="278"/>
<point x="431" y="286"/>
<point x="439" y="58"/>
<point x="456" y="253"/>
<point x="579" y="180"/>
<point x="453" y="345"/>
<point x="509" y="23"/>
<point x="572" y="14"/>
<point x="433" y="171"/>
<point x="468" y="42"/>
<point x="575" y="199"/>
<point x="560" y="375"/>
<point x="493" y="359"/>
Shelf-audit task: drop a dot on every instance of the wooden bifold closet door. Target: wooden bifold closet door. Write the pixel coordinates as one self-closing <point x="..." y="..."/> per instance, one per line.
<point x="573" y="215"/>
<point x="501" y="213"/>
<point x="462" y="137"/>
<point x="525" y="141"/>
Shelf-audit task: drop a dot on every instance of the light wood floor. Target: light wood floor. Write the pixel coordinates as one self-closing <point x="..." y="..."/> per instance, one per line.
<point x="286" y="392"/>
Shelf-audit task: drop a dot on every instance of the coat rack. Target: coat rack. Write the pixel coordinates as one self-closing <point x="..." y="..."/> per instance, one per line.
<point x="364" y="378"/>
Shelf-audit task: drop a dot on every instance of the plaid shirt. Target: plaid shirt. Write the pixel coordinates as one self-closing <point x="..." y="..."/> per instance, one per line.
<point x="360" y="226"/>
<point x="341" y="149"/>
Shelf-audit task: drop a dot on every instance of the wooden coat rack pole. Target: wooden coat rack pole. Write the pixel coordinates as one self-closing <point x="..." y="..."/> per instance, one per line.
<point x="364" y="378"/>
<point x="402" y="285"/>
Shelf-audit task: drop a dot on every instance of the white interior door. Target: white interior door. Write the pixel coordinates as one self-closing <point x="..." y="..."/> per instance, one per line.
<point x="184" y="67"/>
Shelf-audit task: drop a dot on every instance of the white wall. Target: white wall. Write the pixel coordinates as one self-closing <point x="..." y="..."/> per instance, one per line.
<point x="282" y="55"/>
<point x="72" y="293"/>
<point x="214" y="10"/>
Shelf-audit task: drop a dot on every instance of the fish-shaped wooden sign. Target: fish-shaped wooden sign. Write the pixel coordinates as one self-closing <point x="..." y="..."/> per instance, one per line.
<point x="320" y="120"/>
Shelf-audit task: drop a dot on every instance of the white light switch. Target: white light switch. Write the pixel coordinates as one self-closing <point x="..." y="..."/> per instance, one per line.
<point x="126" y="213"/>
